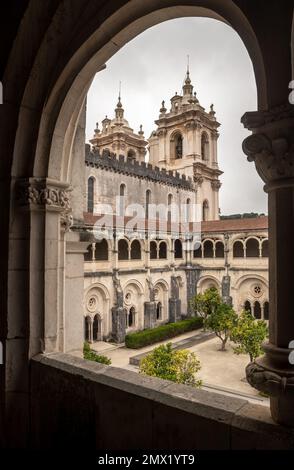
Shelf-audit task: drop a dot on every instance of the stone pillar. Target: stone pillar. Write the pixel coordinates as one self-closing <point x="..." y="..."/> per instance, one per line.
<point x="226" y="290"/>
<point x="118" y="312"/>
<point x="174" y="302"/>
<point x="192" y="276"/>
<point x="271" y="147"/>
<point x="149" y="314"/>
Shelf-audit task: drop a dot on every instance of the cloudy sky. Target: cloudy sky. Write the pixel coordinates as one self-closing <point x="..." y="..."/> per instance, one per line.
<point x="152" y="67"/>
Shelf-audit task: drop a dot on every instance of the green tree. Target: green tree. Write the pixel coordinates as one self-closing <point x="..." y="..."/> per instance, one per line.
<point x="221" y="321"/>
<point x="249" y="335"/>
<point x="92" y="356"/>
<point x="206" y="303"/>
<point x="178" y="366"/>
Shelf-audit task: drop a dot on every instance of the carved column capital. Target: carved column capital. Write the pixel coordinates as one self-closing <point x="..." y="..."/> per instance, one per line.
<point x="271" y="146"/>
<point x="215" y="184"/>
<point x="273" y="383"/>
<point x="43" y="194"/>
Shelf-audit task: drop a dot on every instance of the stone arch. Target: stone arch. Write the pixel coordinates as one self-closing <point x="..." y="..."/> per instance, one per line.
<point x="133" y="297"/>
<point x="161" y="290"/>
<point x="205" y="210"/>
<point x="219" y="249"/>
<point x="178" y="247"/>
<point x="252" y="245"/>
<point x="208" y="248"/>
<point x="264" y="248"/>
<point x="153" y="249"/>
<point x="238" y="249"/>
<point x="91" y="183"/>
<point x="205" y="282"/>
<point x="101" y="250"/>
<point x="123" y="249"/>
<point x="162" y="252"/>
<point x="176" y="145"/>
<point x="131" y="155"/>
<point x="96" y="306"/>
<point x="135" y="251"/>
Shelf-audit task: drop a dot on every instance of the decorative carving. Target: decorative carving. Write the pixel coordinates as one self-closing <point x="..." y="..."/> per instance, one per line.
<point x="118" y="290"/>
<point x="268" y="381"/>
<point x="198" y="178"/>
<point x="215" y="184"/>
<point x="41" y="193"/>
<point x="66" y="221"/>
<point x="151" y="289"/>
<point x="254" y="119"/>
<point x="274" y="159"/>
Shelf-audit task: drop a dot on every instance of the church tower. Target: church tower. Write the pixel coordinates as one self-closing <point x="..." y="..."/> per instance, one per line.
<point x="116" y="136"/>
<point x="186" y="141"/>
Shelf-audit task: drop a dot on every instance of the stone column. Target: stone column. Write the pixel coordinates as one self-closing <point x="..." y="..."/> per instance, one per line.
<point x="271" y="147"/>
<point x="174" y="302"/>
<point x="192" y="276"/>
<point x="118" y="312"/>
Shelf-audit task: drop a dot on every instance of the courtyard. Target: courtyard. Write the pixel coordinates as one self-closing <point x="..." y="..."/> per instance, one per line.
<point x="221" y="371"/>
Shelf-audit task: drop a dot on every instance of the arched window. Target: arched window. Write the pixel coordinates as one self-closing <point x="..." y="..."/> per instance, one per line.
<point x="153" y="250"/>
<point x="204" y="146"/>
<point x="135" y="249"/>
<point x="131" y="317"/>
<point x="162" y="250"/>
<point x="219" y="250"/>
<point x="97" y="328"/>
<point x="178" y="249"/>
<point x="169" y="208"/>
<point x="266" y="310"/>
<point x="148" y="202"/>
<point x="131" y="155"/>
<point x="252" y="248"/>
<point x="247" y="307"/>
<point x="88" y="255"/>
<point x="264" y="249"/>
<point x="123" y="250"/>
<point x="122" y="195"/>
<point x="188" y="210"/>
<point x="178" y="146"/>
<point x="90" y="199"/>
<point x="238" y="249"/>
<point x="101" y="251"/>
<point x="257" y="310"/>
<point x="208" y="249"/>
<point x="205" y="210"/>
<point x="158" y="311"/>
<point x="197" y="252"/>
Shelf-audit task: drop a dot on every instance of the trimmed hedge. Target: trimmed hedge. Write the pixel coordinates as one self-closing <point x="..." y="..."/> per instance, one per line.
<point x="92" y="356"/>
<point x="162" y="332"/>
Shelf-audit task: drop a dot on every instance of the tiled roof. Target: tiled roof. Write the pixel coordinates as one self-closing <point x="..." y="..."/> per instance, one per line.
<point x="227" y="225"/>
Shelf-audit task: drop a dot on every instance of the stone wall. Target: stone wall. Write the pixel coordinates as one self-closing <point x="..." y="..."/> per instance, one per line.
<point x="77" y="404"/>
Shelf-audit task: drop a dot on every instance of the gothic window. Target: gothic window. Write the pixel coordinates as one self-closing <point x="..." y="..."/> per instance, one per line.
<point x="131" y="155"/>
<point x="178" y="146"/>
<point x="88" y="254"/>
<point x="247" y="306"/>
<point x="101" y="251"/>
<point x="97" y="328"/>
<point x="148" y="202"/>
<point x="122" y="194"/>
<point x="169" y="207"/>
<point x="153" y="250"/>
<point x="257" y="310"/>
<point x="204" y="147"/>
<point x="90" y="201"/>
<point x="219" y="250"/>
<point x="252" y="248"/>
<point x="159" y="311"/>
<point x="188" y="210"/>
<point x="162" y="250"/>
<point x="238" y="249"/>
<point x="178" y="249"/>
<point x="135" y="250"/>
<point x="208" y="249"/>
<point x="131" y="317"/>
<point x="123" y="250"/>
<point x="264" y="249"/>
<point x="197" y="252"/>
<point x="205" y="210"/>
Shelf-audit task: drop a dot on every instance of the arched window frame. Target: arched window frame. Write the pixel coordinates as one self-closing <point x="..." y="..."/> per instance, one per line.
<point x="90" y="194"/>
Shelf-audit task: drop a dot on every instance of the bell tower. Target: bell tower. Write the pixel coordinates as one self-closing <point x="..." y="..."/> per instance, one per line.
<point x="185" y="141"/>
